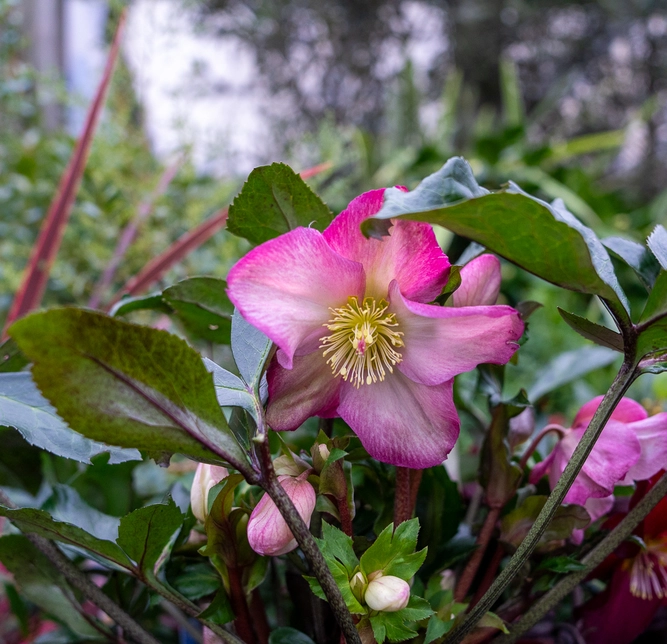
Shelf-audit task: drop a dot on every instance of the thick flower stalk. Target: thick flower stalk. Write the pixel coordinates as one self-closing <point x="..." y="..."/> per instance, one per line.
<point x="632" y="447"/>
<point x="357" y="337"/>
<point x="268" y="533"/>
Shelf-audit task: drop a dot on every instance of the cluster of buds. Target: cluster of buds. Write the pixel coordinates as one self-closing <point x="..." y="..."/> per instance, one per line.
<point x="381" y="592"/>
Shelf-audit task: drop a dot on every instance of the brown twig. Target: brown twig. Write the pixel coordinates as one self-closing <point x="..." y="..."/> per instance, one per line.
<point x="402" y="496"/>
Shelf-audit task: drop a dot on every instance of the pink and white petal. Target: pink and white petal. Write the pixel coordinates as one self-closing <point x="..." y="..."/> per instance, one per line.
<point x="410" y="254"/>
<point x="285" y="286"/>
<point x="308" y="389"/>
<point x="652" y="435"/>
<point x="627" y="411"/>
<point x="402" y="422"/>
<point x="442" y="342"/>
<point x="597" y="508"/>
<point x="480" y="282"/>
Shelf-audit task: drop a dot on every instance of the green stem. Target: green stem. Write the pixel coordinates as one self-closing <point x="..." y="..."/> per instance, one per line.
<point x="623" y="380"/>
<point x="592" y="560"/>
<point x="269" y="481"/>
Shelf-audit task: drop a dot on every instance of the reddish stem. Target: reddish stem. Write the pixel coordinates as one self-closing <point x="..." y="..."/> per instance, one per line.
<point x="415" y="482"/>
<point x="536" y="441"/>
<point x="402" y="497"/>
<point x="243" y="622"/>
<point x="489" y="574"/>
<point x="470" y="571"/>
<point x="260" y="621"/>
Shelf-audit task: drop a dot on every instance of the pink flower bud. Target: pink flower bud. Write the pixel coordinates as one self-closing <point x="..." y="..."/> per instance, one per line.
<point x="206" y="477"/>
<point x="268" y="533"/>
<point x="387" y="593"/>
<point x="480" y="282"/>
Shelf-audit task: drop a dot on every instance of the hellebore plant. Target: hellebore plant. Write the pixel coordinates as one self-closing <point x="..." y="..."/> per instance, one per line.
<point x="357" y="337"/>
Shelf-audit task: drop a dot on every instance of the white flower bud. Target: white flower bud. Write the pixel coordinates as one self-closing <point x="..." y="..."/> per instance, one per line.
<point x="206" y="477"/>
<point x="387" y="593"/>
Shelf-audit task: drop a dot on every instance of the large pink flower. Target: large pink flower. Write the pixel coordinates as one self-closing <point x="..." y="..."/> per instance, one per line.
<point x="632" y="447"/>
<point x="357" y="338"/>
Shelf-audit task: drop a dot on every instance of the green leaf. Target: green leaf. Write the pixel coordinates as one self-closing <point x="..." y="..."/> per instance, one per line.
<point x="397" y="626"/>
<point x="153" y="302"/>
<point x="491" y="620"/>
<point x="137" y="386"/>
<point x="568" y="367"/>
<point x="146" y="534"/>
<point x="196" y="580"/>
<point x="594" y="332"/>
<point x="251" y="349"/>
<point x="41" y="583"/>
<point x="544" y="239"/>
<point x="230" y="390"/>
<point x="287" y="635"/>
<point x="219" y="610"/>
<point x="202" y="305"/>
<point x="337" y="544"/>
<point x="657" y="242"/>
<point x="656" y="305"/>
<point x="273" y="201"/>
<point x="11" y="359"/>
<point x="24" y="408"/>
<point x="436" y="628"/>
<point x="453" y="282"/>
<point x="393" y="552"/>
<point x="653" y="323"/>
<point x="561" y="565"/>
<point x="637" y="256"/>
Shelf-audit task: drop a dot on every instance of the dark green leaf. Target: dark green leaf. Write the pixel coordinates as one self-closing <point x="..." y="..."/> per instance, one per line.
<point x="23" y="407"/>
<point x="220" y="610"/>
<point x="453" y="283"/>
<point x="561" y="565"/>
<point x="287" y="635"/>
<point x="42" y="584"/>
<point x="568" y="367"/>
<point x="273" y="201"/>
<point x="142" y="387"/>
<point x="146" y="534"/>
<point x="251" y="349"/>
<point x="638" y="257"/>
<point x="436" y="628"/>
<point x="657" y="242"/>
<point x="11" y="359"/>
<point x="152" y="302"/>
<point x="196" y="580"/>
<point x="594" y="332"/>
<point x="653" y="327"/>
<point x="656" y="305"/>
<point x="202" y="305"/>
<point x="544" y="239"/>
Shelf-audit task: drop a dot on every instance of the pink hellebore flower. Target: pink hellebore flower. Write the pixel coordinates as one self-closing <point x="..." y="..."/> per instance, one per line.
<point x="268" y="533"/>
<point x="480" y="282"/>
<point x="357" y="338"/>
<point x="632" y="447"/>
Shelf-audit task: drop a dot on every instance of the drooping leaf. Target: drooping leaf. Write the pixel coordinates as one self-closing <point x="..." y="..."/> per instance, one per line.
<point x="273" y="201"/>
<point x="24" y="408"/>
<point x="638" y="257"/>
<point x="139" y="386"/>
<point x="251" y="349"/>
<point x="202" y="305"/>
<point x="597" y="333"/>
<point x="544" y="239"/>
<point x="147" y="534"/>
<point x="568" y="367"/>
<point x="657" y="242"/>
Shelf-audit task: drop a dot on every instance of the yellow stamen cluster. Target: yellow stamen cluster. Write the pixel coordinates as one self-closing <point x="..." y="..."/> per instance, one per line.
<point x="648" y="572"/>
<point x="362" y="345"/>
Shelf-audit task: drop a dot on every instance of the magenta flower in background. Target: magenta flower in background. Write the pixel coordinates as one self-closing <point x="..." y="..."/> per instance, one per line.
<point x="268" y="533"/>
<point x="632" y="447"/>
<point x="357" y="338"/>
<point x="480" y="282"/>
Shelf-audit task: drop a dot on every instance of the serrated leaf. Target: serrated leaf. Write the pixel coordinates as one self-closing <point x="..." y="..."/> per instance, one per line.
<point x="637" y="256"/>
<point x="147" y="534"/>
<point x="597" y="333"/>
<point x="251" y="350"/>
<point x="337" y="544"/>
<point x="141" y="387"/>
<point x="273" y="201"/>
<point x="11" y="359"/>
<point x="287" y="635"/>
<point x="657" y="242"/>
<point x="544" y="239"/>
<point x="568" y="367"/>
<point x="202" y="305"/>
<point x="393" y="552"/>
<point x="24" y="408"/>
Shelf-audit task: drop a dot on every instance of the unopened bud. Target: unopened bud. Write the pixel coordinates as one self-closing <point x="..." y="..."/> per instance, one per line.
<point x="206" y="477"/>
<point x="358" y="585"/>
<point x="480" y="282"/>
<point x="387" y="593"/>
<point x="268" y="533"/>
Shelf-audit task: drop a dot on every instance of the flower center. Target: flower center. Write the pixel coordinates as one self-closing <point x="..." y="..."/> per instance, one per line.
<point x="363" y="342"/>
<point x="648" y="573"/>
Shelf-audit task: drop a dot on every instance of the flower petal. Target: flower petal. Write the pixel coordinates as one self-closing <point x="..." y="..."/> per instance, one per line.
<point x="627" y="411"/>
<point x="308" y="389"/>
<point x="285" y="286"/>
<point x="442" y="342"/>
<point x="410" y="254"/>
<point x="402" y="422"/>
<point x="652" y="435"/>
<point x="480" y="282"/>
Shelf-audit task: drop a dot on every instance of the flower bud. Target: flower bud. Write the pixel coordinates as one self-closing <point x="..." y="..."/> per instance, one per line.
<point x="387" y="593"/>
<point x="358" y="585"/>
<point x="480" y="282"/>
<point x="206" y="477"/>
<point x="268" y="533"/>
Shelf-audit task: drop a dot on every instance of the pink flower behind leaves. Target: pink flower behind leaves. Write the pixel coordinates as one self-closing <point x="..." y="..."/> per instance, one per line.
<point x="268" y="533"/>
<point x="357" y="338"/>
